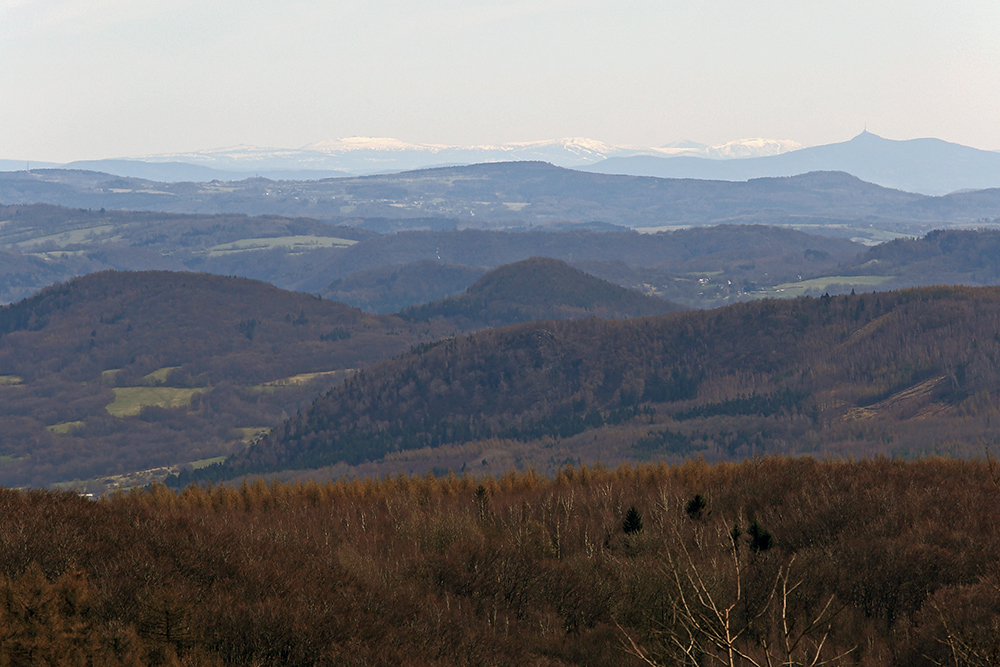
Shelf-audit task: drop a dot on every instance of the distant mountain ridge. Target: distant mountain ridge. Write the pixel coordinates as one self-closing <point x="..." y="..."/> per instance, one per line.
<point x="925" y="166"/>
<point x="520" y="195"/>
<point x="375" y="155"/>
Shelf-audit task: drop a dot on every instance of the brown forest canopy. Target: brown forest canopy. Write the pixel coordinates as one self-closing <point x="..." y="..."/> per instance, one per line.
<point x="885" y="564"/>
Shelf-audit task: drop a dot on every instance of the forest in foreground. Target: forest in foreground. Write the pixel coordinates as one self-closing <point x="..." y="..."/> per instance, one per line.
<point x="792" y="561"/>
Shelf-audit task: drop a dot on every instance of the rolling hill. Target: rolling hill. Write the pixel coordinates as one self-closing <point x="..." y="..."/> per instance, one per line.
<point x="539" y="288"/>
<point x="122" y="371"/>
<point x="518" y="195"/>
<point x="697" y="267"/>
<point x="907" y="373"/>
<point x="42" y="244"/>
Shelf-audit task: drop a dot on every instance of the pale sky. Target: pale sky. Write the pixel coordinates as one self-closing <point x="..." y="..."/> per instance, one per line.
<point x="89" y="79"/>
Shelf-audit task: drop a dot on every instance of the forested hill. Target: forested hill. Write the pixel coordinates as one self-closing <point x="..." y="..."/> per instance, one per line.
<point x="116" y="372"/>
<point x="905" y="372"/>
<point x="138" y="322"/>
<point x="539" y="288"/>
<point x="943" y="257"/>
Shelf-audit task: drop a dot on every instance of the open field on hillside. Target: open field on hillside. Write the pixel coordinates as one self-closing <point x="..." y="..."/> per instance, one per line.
<point x="824" y="284"/>
<point x="129" y="401"/>
<point x="291" y="243"/>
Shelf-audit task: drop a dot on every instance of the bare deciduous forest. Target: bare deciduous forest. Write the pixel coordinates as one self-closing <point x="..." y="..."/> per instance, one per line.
<point x="769" y="561"/>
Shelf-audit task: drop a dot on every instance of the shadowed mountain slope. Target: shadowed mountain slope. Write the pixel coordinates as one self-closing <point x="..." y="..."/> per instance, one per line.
<point x="539" y="288"/>
<point x="903" y="373"/>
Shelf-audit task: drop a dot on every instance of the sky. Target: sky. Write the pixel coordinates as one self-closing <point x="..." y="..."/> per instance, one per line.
<point x="91" y="79"/>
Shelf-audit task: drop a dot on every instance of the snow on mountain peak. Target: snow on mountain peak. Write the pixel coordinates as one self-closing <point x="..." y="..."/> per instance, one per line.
<point x="362" y="155"/>
<point x="741" y="148"/>
<point x="755" y="148"/>
<point x="371" y="144"/>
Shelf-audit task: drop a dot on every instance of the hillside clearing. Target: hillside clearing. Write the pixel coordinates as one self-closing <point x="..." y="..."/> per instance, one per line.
<point x="292" y="243"/>
<point x="129" y="401"/>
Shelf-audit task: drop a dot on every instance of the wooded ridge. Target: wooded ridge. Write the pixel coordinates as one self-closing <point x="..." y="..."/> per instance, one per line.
<point x="906" y="373"/>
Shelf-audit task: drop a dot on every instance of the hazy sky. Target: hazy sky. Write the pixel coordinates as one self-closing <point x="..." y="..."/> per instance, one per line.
<point x="84" y="79"/>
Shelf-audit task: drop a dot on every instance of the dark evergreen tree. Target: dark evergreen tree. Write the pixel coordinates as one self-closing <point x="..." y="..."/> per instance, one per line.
<point x="633" y="521"/>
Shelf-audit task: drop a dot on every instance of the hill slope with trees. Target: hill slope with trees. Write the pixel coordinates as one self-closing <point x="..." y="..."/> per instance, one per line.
<point x="41" y="245"/>
<point x="118" y="371"/>
<point x="943" y="257"/>
<point x="697" y="267"/>
<point x="904" y="373"/>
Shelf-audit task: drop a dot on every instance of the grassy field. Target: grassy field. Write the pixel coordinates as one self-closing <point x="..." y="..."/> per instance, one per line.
<point x="108" y="376"/>
<point x="130" y="400"/>
<point x="303" y="378"/>
<point x="292" y="243"/>
<point x="159" y="376"/>
<point x="792" y="290"/>
<point x="65" y="427"/>
<point x="10" y="458"/>
<point x="868" y="236"/>
<point x="204" y="463"/>
<point x="250" y="433"/>
<point x="69" y="237"/>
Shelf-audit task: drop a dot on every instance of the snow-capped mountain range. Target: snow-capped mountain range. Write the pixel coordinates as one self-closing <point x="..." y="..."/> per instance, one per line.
<point x="928" y="166"/>
<point x="368" y="155"/>
<point x="378" y="155"/>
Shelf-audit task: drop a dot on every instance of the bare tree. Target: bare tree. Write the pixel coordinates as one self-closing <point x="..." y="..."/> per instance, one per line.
<point x="714" y="621"/>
